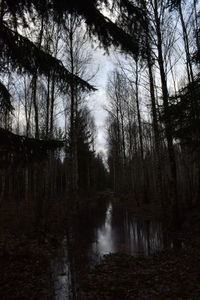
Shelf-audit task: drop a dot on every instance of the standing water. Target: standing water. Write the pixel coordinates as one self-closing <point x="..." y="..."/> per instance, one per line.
<point x="60" y="267"/>
<point x="121" y="232"/>
<point x="103" y="231"/>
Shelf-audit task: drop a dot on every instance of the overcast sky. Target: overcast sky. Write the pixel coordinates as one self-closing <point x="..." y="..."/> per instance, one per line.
<point x="98" y="99"/>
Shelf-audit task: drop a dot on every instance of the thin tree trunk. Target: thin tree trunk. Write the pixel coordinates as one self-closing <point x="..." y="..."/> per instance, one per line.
<point x="140" y="132"/>
<point x="138" y="110"/>
<point x="52" y="106"/>
<point x="27" y="108"/>
<point x="73" y="133"/>
<point x="159" y="185"/>
<point x="167" y="118"/>
<point x="156" y="132"/>
<point x="47" y="107"/>
<point x="34" y="84"/>
<point x="186" y="44"/>
<point x="35" y="105"/>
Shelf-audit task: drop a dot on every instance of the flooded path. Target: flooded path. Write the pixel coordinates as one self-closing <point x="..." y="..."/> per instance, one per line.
<point x="122" y="233"/>
<point x="60" y="268"/>
<point x="97" y="232"/>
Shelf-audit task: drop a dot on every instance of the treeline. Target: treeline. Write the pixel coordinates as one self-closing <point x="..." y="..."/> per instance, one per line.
<point x="153" y="123"/>
<point x="43" y="96"/>
<point x="153" y="107"/>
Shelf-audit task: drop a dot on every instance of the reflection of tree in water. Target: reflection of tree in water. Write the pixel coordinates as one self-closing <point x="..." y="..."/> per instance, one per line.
<point x="85" y="228"/>
<point x="135" y="236"/>
<point x="116" y="230"/>
<point x="105" y="229"/>
<point x="88" y="221"/>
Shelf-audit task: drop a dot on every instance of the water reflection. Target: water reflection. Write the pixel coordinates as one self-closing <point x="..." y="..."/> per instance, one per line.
<point x="62" y="274"/>
<point x="108" y="229"/>
<point x="123" y="233"/>
<point x="104" y="242"/>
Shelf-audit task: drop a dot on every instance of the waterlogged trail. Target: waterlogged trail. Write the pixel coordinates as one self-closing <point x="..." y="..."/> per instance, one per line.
<point x="60" y="268"/>
<point x="123" y="233"/>
<point x="98" y="232"/>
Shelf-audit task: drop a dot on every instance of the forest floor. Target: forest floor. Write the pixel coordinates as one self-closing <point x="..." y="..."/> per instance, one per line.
<point x="26" y="250"/>
<point x="167" y="275"/>
<point x="171" y="274"/>
<point x="25" y="267"/>
<point x="26" y="253"/>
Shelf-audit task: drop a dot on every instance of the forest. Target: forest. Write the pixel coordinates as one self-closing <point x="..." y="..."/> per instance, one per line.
<point x="99" y="149"/>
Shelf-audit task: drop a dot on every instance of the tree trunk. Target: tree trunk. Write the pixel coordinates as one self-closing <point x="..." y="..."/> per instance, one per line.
<point x="167" y="119"/>
<point x="35" y="105"/>
<point x="34" y="84"/>
<point x="159" y="185"/>
<point x="138" y="110"/>
<point x="73" y="125"/>
<point x="47" y="107"/>
<point x="52" y="106"/>
<point x="156" y="133"/>
<point x="186" y="44"/>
